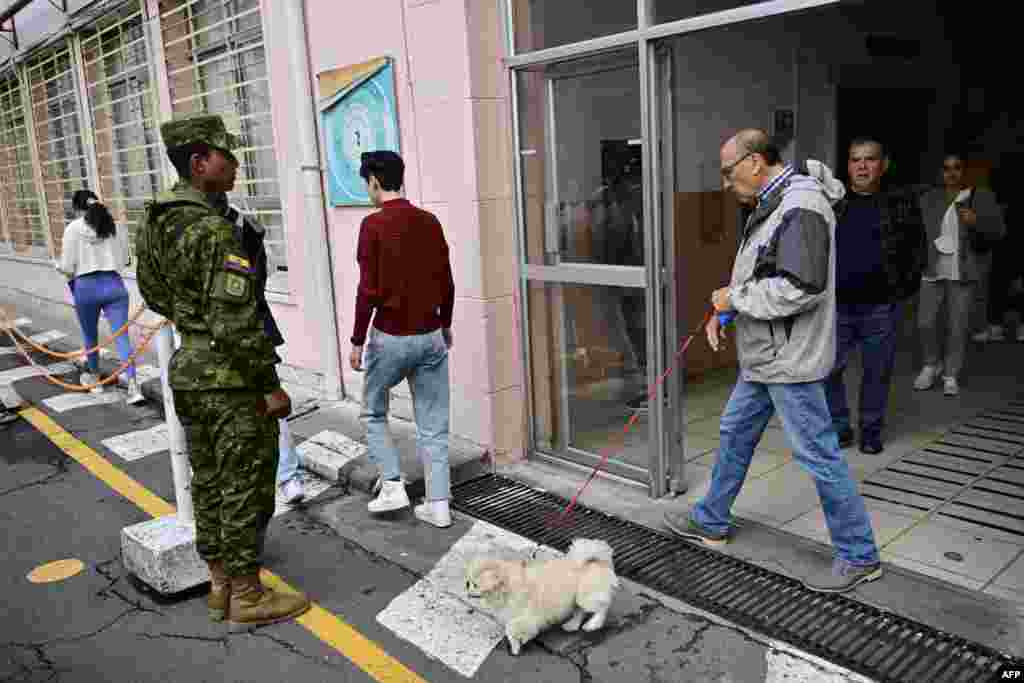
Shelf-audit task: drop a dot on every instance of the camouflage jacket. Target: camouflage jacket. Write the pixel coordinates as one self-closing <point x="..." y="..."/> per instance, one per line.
<point x="194" y="270"/>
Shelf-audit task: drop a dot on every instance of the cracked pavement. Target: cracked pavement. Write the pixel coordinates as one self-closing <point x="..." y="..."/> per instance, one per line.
<point x="102" y="625"/>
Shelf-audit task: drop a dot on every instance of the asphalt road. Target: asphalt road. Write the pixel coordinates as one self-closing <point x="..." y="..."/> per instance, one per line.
<point x="374" y="579"/>
<point x="103" y="625"/>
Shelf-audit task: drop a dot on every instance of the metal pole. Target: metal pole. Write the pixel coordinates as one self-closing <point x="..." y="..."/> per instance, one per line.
<point x="175" y="433"/>
<point x="318" y="243"/>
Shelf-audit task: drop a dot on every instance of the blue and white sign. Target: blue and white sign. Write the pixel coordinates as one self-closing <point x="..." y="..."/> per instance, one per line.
<point x="360" y="117"/>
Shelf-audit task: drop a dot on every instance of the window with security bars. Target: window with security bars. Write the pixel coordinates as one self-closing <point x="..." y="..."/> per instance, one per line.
<point x="20" y="197"/>
<point x="122" y="103"/>
<point x="216" y="63"/>
<point x="52" y="91"/>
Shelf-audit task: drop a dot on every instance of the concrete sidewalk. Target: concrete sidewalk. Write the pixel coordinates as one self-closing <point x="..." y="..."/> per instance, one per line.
<point x="980" y="598"/>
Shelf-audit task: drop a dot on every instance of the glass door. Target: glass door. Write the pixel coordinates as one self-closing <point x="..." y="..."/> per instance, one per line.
<point x="585" y="261"/>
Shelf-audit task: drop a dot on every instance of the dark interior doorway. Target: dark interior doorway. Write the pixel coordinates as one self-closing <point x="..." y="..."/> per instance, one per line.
<point x="899" y="117"/>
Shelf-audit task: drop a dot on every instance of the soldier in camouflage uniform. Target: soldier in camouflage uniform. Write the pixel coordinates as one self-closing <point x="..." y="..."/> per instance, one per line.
<point x="194" y="269"/>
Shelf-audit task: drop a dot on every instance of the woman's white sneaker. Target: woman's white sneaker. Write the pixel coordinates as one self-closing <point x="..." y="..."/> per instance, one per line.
<point x="134" y="395"/>
<point x="292" y="491"/>
<point x="87" y="378"/>
<point x="949" y="386"/>
<point x="926" y="379"/>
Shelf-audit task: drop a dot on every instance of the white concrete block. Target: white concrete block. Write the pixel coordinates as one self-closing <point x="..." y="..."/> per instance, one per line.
<point x="162" y="553"/>
<point x="323" y="461"/>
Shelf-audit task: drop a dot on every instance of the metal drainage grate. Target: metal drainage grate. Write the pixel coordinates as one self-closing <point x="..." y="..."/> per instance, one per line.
<point x="881" y="645"/>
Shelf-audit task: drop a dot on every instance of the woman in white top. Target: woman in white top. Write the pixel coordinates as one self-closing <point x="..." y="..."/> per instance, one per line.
<point x="93" y="253"/>
<point x="960" y="221"/>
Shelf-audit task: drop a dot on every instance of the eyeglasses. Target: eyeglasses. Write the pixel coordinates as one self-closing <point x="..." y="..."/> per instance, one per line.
<point x="727" y="170"/>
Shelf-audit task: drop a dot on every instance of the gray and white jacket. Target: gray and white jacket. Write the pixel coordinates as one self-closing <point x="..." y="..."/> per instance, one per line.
<point x="783" y="281"/>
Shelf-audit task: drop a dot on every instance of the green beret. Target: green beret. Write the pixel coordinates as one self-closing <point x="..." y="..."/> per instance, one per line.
<point x="207" y="128"/>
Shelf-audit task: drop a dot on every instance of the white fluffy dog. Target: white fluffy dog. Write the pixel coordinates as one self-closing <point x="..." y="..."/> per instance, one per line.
<point x="533" y="595"/>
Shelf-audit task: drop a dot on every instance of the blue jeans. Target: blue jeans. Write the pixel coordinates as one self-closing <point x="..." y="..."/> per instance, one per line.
<point x="807" y="424"/>
<point x="102" y="291"/>
<point x="288" y="462"/>
<point x="422" y="359"/>
<point x="875" y="328"/>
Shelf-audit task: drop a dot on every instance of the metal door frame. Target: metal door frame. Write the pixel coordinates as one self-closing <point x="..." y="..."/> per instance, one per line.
<point x="667" y="459"/>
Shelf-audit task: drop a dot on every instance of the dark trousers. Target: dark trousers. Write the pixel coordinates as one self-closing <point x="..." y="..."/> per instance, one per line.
<point x="874" y="328"/>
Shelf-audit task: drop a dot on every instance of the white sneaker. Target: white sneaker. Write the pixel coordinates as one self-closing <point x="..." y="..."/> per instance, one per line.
<point x="392" y="497"/>
<point x="87" y="378"/>
<point x="927" y="378"/>
<point x="1020" y="332"/>
<point x="992" y="333"/>
<point x="434" y="512"/>
<point x="949" y="386"/>
<point x="292" y="491"/>
<point x="134" y="395"/>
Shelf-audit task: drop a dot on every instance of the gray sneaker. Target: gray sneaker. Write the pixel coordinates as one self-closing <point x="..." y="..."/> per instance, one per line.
<point x="843" y="577"/>
<point x="681" y="524"/>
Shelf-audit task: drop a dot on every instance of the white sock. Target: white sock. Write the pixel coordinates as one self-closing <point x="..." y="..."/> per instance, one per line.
<point x="439" y="507"/>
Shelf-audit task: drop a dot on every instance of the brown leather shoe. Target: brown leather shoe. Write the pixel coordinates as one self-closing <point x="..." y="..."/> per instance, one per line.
<point x="220" y="591"/>
<point x="253" y="604"/>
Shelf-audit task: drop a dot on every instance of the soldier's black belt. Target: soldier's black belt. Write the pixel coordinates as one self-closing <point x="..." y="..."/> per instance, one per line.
<point x="198" y="342"/>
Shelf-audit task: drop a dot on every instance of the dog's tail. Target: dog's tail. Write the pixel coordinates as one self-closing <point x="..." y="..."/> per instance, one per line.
<point x="585" y="550"/>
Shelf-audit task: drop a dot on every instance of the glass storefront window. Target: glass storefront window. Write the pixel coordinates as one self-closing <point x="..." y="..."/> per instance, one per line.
<point x="674" y="10"/>
<point x="587" y="351"/>
<point x="581" y="151"/>
<point x="540" y="24"/>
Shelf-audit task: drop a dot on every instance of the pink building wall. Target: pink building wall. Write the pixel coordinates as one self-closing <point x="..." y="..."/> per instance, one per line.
<point x="453" y="106"/>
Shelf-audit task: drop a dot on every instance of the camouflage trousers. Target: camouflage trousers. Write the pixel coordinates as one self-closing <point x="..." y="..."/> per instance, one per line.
<point x="233" y="450"/>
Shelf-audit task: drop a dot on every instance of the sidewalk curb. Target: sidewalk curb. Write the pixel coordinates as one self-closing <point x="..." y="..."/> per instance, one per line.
<point x="467" y="461"/>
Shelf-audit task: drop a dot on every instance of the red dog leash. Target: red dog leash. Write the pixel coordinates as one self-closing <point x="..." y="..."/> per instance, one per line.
<point x="557" y="520"/>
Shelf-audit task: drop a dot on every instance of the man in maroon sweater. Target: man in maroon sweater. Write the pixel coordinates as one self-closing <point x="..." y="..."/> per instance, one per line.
<point x="406" y="277"/>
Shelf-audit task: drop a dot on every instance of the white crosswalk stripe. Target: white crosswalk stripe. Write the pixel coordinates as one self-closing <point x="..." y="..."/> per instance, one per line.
<point x="72" y="400"/>
<point x="26" y="371"/>
<point x="437" y="615"/>
<point x="135" y="445"/>
<point x="44" y="338"/>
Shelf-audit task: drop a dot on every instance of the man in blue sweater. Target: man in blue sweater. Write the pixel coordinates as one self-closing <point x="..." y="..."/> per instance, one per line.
<point x="880" y="251"/>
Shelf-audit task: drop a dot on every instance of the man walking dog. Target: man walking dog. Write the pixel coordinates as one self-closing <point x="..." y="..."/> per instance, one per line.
<point x="783" y="293"/>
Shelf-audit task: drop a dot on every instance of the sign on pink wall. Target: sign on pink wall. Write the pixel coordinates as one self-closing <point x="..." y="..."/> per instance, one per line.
<point x="358" y="114"/>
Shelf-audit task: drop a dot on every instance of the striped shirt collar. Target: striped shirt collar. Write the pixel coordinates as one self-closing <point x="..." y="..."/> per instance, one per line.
<point x="782" y="177"/>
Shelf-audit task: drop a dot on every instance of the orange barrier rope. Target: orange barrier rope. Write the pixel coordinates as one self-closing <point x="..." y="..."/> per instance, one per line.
<point x="83" y="387"/>
<point x="81" y="352"/>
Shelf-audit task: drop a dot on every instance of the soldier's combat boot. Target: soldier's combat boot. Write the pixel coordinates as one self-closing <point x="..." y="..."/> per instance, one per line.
<point x="220" y="591"/>
<point x="253" y="604"/>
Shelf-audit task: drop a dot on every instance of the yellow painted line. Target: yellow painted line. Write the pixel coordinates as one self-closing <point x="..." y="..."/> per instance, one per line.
<point x="148" y="502"/>
<point x="328" y="627"/>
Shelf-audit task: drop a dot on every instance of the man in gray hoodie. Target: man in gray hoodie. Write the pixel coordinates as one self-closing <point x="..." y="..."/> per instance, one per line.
<point x="782" y="293"/>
